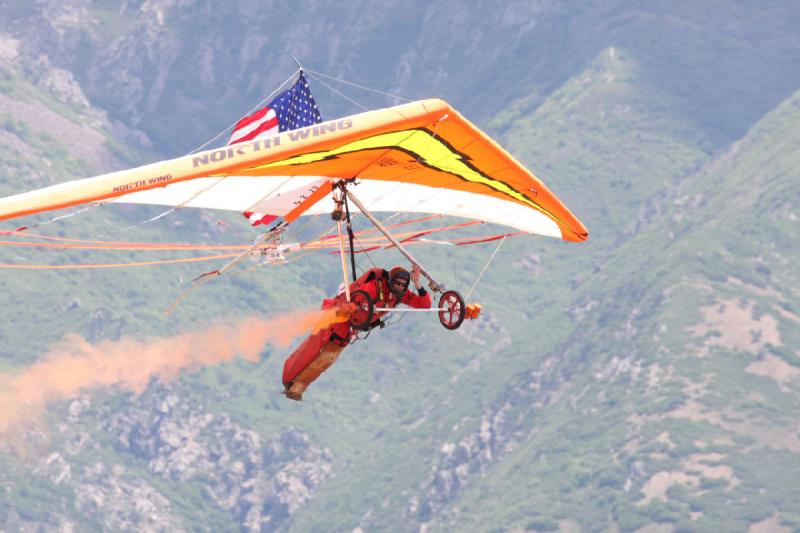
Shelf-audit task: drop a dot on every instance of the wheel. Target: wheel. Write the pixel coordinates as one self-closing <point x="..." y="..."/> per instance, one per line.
<point x="361" y="317"/>
<point x="453" y="310"/>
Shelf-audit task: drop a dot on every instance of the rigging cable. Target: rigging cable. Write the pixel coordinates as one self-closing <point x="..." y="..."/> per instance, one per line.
<point x="316" y="73"/>
<point x="486" y="266"/>
<point x="338" y="92"/>
<point x="115" y="265"/>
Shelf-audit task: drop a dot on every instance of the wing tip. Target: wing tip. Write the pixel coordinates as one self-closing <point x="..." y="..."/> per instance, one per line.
<point x="576" y="236"/>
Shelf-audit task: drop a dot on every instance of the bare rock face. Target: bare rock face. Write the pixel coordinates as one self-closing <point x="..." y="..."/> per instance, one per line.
<point x="163" y="442"/>
<point x="56" y="468"/>
<point x="499" y="432"/>
<point x="15" y="521"/>
<point x="9" y="50"/>
<point x="260" y="483"/>
<point x="59" y="82"/>
<point x="114" y="496"/>
<point x="122" y="501"/>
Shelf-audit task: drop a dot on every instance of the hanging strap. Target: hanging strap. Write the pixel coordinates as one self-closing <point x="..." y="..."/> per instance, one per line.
<point x="350" y="237"/>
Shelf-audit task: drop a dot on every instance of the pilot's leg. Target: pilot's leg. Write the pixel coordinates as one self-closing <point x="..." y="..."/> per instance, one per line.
<point x="308" y="350"/>
<point x="329" y="354"/>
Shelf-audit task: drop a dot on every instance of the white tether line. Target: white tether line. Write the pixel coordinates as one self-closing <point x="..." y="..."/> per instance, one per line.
<point x="357" y="85"/>
<point x="486" y="266"/>
<point x="337" y="92"/>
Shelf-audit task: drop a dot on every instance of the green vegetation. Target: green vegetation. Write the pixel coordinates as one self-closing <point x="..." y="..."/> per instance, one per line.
<point x="645" y="377"/>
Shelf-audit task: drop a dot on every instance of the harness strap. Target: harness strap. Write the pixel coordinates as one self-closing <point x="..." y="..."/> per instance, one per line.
<point x="338" y="339"/>
<point x="380" y="286"/>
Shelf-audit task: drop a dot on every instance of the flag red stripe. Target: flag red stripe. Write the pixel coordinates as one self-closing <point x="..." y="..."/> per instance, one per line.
<point x="258" y="115"/>
<point x="263" y="219"/>
<point x="266" y="219"/>
<point x="268" y="125"/>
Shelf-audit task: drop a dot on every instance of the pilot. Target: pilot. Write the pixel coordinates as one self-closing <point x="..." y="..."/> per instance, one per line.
<point x="319" y="351"/>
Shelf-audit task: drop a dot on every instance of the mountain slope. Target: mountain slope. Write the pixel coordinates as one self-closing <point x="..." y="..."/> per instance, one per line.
<point x="494" y="384"/>
<point x="675" y="401"/>
<point x="645" y="377"/>
<point x="178" y="69"/>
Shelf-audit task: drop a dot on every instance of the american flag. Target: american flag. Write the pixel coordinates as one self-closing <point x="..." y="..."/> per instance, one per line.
<point x="292" y="109"/>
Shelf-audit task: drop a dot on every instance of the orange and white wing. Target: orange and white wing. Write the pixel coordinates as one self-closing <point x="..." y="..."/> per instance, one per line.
<point x="421" y="157"/>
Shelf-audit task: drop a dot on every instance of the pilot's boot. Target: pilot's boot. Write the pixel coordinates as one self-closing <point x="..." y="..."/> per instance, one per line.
<point x="295" y="391"/>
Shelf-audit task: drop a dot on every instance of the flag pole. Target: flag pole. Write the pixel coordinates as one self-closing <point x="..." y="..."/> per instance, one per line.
<point x="296" y="61"/>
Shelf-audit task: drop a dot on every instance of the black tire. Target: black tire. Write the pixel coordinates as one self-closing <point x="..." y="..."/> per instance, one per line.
<point x="454" y="312"/>
<point x="361" y="319"/>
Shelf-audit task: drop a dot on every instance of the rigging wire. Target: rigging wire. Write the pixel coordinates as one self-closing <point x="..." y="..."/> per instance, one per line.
<point x="50" y="221"/>
<point x="168" y="211"/>
<point x="365" y="253"/>
<point x="116" y="265"/>
<point x="486" y="266"/>
<point x="367" y="242"/>
<point x="338" y="92"/>
<point x="130" y="246"/>
<point x="316" y="73"/>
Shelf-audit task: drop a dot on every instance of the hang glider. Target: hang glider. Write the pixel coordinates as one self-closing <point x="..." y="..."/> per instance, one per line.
<point x="420" y="157"/>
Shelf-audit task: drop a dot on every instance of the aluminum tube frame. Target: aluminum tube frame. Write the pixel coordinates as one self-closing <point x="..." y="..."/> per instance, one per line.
<point x="410" y="310"/>
<point x="344" y="261"/>
<point x="432" y="283"/>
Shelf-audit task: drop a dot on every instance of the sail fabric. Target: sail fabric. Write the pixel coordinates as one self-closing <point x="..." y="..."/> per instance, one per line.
<point x="420" y="157"/>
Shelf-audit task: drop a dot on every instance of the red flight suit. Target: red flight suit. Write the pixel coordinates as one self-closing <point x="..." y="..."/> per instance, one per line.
<point x="319" y="351"/>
